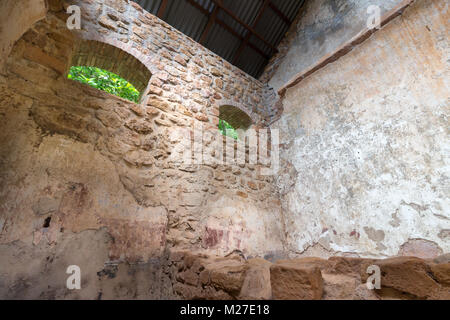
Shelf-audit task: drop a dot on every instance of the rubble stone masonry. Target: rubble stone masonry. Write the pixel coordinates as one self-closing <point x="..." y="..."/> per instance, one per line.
<point x="74" y="159"/>
<point x="93" y="180"/>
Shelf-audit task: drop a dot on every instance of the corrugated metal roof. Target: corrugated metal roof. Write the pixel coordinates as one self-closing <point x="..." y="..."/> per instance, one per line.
<point x="190" y="20"/>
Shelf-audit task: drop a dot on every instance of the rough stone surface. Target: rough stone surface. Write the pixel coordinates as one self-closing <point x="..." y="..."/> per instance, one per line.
<point x="408" y="275"/>
<point x="368" y="137"/>
<point x="103" y="161"/>
<point x="30" y="271"/>
<point x="441" y="273"/>
<point x="93" y="180"/>
<point x="296" y="282"/>
<point x="256" y="284"/>
<point x="403" y="278"/>
<point x="74" y="159"/>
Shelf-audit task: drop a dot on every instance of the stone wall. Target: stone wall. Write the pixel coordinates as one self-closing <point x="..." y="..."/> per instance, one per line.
<point x="182" y="65"/>
<point x="82" y="170"/>
<point x="365" y="142"/>
<point x="93" y="180"/>
<point x="16" y="17"/>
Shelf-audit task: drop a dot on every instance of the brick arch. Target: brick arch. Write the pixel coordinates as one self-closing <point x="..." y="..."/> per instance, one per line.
<point x="93" y="53"/>
<point x="235" y="114"/>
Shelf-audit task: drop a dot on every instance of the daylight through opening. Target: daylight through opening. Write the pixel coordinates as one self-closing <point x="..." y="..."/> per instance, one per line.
<point x="104" y="80"/>
<point x="232" y="120"/>
<point x="109" y="68"/>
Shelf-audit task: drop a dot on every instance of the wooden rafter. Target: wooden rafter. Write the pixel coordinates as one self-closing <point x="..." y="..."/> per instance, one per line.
<point x="228" y="28"/>
<point x="280" y="14"/>
<point x="162" y="8"/>
<point x="244" y="43"/>
<point x="241" y="38"/>
<point x="211" y="21"/>
<point x="245" y="25"/>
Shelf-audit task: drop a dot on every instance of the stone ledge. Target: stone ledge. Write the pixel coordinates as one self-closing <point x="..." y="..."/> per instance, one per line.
<point x="345" y="48"/>
<point x="212" y="277"/>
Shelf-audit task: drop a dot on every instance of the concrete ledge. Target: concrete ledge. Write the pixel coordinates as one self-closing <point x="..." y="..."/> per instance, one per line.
<point x="345" y="48"/>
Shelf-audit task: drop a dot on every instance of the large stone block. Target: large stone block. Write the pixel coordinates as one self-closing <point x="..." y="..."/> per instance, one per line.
<point x="296" y="282"/>
<point x="408" y="275"/>
<point x="441" y="273"/>
<point x="256" y="285"/>
<point x="228" y="275"/>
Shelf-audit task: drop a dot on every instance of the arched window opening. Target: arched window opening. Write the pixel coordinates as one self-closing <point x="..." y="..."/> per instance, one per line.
<point x="233" y="121"/>
<point x="104" y="80"/>
<point x="110" y="69"/>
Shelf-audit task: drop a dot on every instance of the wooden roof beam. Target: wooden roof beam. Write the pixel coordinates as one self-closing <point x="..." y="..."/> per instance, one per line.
<point x="280" y="14"/>
<point x="247" y="37"/>
<point x="162" y="8"/>
<point x="228" y="28"/>
<point x="211" y="21"/>
<point x="249" y="28"/>
<point x="237" y="35"/>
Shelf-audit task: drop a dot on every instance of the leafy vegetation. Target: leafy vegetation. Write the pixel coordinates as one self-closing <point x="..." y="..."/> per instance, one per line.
<point x="105" y="81"/>
<point x="227" y="129"/>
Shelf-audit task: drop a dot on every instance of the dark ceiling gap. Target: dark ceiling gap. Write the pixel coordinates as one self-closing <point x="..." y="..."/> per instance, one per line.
<point x="244" y="20"/>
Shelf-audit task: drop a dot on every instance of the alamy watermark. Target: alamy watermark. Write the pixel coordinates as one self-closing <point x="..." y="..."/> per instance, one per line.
<point x="374" y="280"/>
<point x="74" y="21"/>
<point x="202" y="146"/>
<point x="74" y="280"/>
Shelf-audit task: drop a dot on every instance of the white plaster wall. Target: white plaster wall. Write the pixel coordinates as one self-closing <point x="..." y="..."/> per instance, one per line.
<point x="366" y="148"/>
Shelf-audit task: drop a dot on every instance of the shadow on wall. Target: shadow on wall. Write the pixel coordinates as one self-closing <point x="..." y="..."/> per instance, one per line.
<point x="16" y="17"/>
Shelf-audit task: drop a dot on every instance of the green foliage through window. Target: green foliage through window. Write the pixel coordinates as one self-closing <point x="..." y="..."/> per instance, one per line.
<point x="105" y="81"/>
<point x="227" y="130"/>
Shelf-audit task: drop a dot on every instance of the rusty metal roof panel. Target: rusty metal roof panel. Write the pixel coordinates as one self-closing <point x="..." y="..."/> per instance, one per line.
<point x="192" y="21"/>
<point x="151" y="6"/>
<point x="216" y="40"/>
<point x="251" y="61"/>
<point x="186" y="18"/>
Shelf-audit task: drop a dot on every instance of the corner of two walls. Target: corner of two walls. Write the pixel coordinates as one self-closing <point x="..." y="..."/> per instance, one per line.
<point x="347" y="183"/>
<point x="364" y="130"/>
<point x="79" y="161"/>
